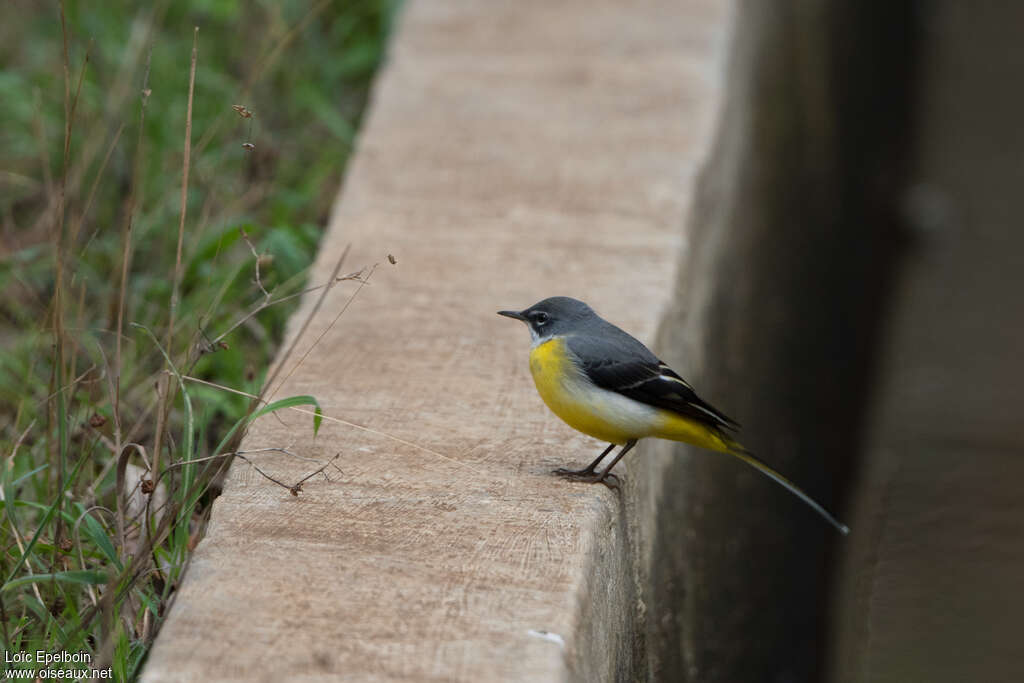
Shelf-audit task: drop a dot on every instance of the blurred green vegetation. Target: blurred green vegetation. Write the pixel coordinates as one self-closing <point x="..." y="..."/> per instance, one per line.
<point x="69" y="221"/>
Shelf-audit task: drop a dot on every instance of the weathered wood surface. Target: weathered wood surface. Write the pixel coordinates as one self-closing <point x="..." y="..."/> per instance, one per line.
<point x="513" y="150"/>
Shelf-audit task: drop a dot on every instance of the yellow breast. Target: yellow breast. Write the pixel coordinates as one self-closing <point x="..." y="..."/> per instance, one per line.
<point x="560" y="383"/>
<point x="608" y="415"/>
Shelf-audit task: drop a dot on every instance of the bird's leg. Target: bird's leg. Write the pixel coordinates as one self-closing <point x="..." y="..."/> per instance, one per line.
<point x="589" y="474"/>
<point x="587" y="471"/>
<point x="603" y="478"/>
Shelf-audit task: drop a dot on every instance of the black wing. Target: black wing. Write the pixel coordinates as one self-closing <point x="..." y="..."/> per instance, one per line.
<point x="620" y="363"/>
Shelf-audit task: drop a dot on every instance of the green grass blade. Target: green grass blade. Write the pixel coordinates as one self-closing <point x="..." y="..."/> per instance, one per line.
<point x="290" y="402"/>
<point x="19" y="480"/>
<point x="42" y="525"/>
<point x="94" y="530"/>
<point x="80" y="576"/>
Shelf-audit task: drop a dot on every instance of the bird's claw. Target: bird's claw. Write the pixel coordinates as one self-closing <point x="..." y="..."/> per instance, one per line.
<point x="589" y="477"/>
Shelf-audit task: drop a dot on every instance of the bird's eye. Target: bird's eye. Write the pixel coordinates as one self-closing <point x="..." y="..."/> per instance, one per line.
<point x="540" y="317"/>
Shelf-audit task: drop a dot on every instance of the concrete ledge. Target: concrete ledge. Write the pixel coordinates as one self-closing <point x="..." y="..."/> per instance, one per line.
<point x="514" y="150"/>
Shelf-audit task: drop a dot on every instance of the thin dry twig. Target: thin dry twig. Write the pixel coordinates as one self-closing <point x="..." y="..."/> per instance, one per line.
<point x="78" y="321"/>
<point x="59" y="372"/>
<point x="256" y="256"/>
<point x="305" y="323"/>
<point x="39" y="130"/>
<point x="275" y="449"/>
<point x="10" y="514"/>
<point x="217" y="342"/>
<point x="95" y="185"/>
<point x="363" y="281"/>
<point x="167" y="395"/>
<point x="298" y="485"/>
<point x="71" y="385"/>
<point x="337" y="420"/>
<point x="134" y="199"/>
<point x="295" y="488"/>
<point x="185" y="166"/>
<point x="17" y="445"/>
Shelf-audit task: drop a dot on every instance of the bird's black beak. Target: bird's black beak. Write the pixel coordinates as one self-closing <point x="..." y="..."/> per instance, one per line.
<point x="513" y="314"/>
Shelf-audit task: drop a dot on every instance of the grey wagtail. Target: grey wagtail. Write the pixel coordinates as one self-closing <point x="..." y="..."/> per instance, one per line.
<point x="606" y="384"/>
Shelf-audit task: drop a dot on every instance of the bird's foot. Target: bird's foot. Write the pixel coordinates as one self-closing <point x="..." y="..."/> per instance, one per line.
<point x="577" y="475"/>
<point x="590" y="477"/>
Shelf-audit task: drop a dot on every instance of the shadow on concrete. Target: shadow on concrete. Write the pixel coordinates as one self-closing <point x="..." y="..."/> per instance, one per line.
<point x="783" y="294"/>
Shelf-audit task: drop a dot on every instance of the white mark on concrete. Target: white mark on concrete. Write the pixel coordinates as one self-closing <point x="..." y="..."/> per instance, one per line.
<point x="549" y="636"/>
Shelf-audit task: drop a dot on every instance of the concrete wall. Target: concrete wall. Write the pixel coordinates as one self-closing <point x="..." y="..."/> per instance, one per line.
<point x="931" y="586"/>
<point x="852" y="294"/>
<point x="775" y="315"/>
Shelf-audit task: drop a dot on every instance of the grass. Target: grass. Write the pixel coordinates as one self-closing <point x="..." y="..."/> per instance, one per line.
<point x="134" y="253"/>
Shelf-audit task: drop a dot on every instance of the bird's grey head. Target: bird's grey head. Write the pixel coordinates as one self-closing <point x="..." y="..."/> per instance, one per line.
<point x="552" y="317"/>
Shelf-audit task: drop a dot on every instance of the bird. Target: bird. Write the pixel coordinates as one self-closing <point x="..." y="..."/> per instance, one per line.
<point x="604" y="382"/>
